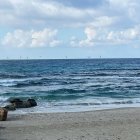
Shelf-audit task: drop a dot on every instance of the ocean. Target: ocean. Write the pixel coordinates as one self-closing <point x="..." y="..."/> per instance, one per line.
<point x="71" y="85"/>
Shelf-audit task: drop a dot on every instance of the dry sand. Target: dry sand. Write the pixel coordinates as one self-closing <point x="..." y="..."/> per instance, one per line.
<point x="116" y="124"/>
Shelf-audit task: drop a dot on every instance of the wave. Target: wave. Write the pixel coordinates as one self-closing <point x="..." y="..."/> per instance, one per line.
<point x="8" y="75"/>
<point x="100" y="103"/>
<point x="66" y="92"/>
<point x="58" y="94"/>
<point x="110" y="73"/>
<point x="138" y="74"/>
<point x="88" y="83"/>
<point x="56" y="97"/>
<point x="91" y="74"/>
<point x="3" y="99"/>
<point x="94" y="73"/>
<point x="10" y="82"/>
<point x="72" y="99"/>
<point x="22" y="82"/>
<point x="39" y="82"/>
<point x="18" y="80"/>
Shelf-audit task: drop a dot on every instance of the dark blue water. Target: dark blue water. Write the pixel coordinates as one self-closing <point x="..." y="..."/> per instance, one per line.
<point x="69" y="85"/>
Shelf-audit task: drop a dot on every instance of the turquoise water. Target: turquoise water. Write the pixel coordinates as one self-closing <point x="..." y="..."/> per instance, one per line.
<point x="71" y="85"/>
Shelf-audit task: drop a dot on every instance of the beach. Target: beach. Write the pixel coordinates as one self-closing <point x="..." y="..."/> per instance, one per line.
<point x="76" y="99"/>
<point x="113" y="124"/>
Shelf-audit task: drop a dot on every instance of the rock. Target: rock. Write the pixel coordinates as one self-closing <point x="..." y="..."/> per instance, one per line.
<point x="10" y="107"/>
<point x="32" y="102"/>
<point x="3" y="114"/>
<point x="19" y="104"/>
<point x="24" y="104"/>
<point x="16" y="100"/>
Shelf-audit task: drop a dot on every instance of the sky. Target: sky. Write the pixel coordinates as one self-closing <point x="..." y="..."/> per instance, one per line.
<point x="58" y="29"/>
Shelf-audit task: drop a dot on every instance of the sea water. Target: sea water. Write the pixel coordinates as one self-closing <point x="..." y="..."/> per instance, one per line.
<point x="71" y="85"/>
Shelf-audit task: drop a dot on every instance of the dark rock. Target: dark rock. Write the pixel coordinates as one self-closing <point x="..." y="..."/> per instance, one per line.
<point x="19" y="104"/>
<point x="10" y="107"/>
<point x="32" y="102"/>
<point x="16" y="100"/>
<point x="3" y="114"/>
<point x="24" y="104"/>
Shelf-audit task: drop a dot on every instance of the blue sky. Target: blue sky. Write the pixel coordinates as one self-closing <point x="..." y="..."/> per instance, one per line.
<point x="73" y="28"/>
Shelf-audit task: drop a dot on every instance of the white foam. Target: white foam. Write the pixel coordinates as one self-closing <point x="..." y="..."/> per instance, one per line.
<point x="44" y="107"/>
<point x="13" y="82"/>
<point x="2" y="98"/>
<point x="3" y="101"/>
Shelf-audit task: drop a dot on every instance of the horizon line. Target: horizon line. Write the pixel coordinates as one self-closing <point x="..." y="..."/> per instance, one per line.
<point x="69" y="58"/>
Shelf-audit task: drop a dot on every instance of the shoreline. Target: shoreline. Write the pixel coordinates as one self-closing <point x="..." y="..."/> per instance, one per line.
<point x="109" y="124"/>
<point x="34" y="110"/>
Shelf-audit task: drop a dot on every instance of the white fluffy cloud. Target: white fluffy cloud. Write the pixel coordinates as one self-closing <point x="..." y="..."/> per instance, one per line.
<point x="99" y="36"/>
<point x="23" y="13"/>
<point x="20" y="38"/>
<point x="26" y="14"/>
<point x="41" y="13"/>
<point x="124" y="36"/>
<point x="90" y="34"/>
<point x="101" y="20"/>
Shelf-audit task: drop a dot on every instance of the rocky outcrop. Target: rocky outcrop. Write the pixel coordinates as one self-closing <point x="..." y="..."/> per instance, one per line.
<point x="16" y="100"/>
<point x="10" y="107"/>
<point x="32" y="102"/>
<point x="3" y="114"/>
<point x="17" y="103"/>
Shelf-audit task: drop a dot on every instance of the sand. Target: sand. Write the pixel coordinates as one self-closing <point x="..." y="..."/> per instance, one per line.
<point x="115" y="124"/>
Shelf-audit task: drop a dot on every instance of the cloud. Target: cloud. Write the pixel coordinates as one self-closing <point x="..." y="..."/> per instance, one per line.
<point x="51" y="13"/>
<point x="125" y="9"/>
<point x="102" y="21"/>
<point x="90" y="34"/>
<point x="5" y="4"/>
<point x="124" y="36"/>
<point x="26" y="14"/>
<point x="32" y="38"/>
<point x="33" y="13"/>
<point x="101" y="37"/>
